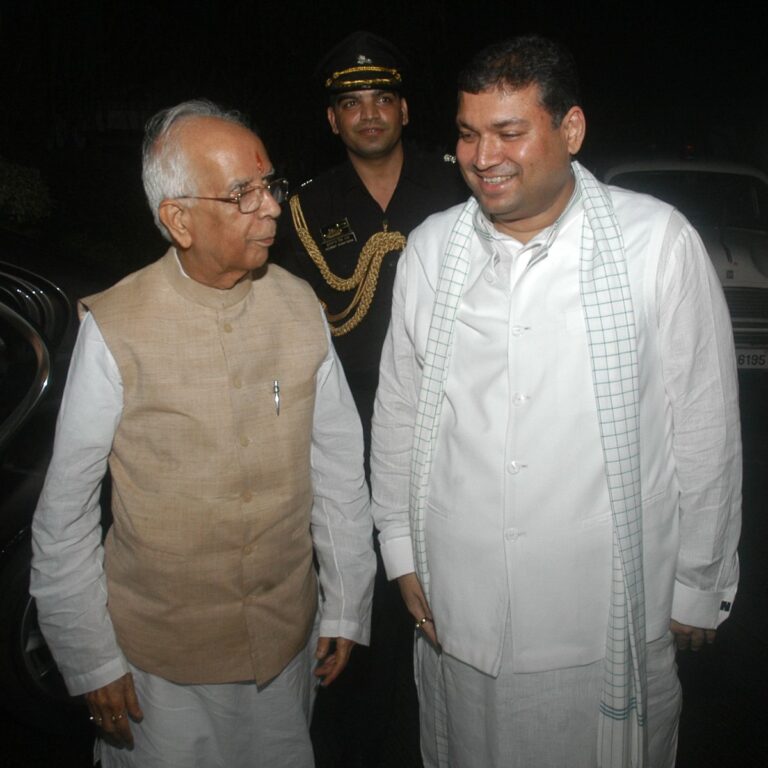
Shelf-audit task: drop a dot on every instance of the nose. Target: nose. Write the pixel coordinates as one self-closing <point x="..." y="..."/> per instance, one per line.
<point x="269" y="206"/>
<point x="368" y="109"/>
<point x="487" y="153"/>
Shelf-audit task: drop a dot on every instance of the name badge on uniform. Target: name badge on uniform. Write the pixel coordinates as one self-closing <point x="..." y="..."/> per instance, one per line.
<point x="337" y="235"/>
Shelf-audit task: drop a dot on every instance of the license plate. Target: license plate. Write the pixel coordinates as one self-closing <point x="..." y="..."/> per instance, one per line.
<point x="752" y="358"/>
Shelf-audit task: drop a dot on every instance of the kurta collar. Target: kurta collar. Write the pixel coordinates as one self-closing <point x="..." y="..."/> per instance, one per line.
<point x="489" y="236"/>
<point x="213" y="298"/>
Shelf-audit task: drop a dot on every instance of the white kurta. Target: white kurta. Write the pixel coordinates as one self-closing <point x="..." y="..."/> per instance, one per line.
<point x="518" y="518"/>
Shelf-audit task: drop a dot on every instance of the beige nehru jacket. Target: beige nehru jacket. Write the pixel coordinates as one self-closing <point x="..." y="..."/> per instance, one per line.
<point x="209" y="558"/>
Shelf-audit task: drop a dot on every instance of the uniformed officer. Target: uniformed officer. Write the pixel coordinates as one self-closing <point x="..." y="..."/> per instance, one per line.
<point x="348" y="226"/>
<point x="344" y="235"/>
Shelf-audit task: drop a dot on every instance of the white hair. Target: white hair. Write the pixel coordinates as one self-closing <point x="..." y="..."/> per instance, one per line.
<point x="165" y="165"/>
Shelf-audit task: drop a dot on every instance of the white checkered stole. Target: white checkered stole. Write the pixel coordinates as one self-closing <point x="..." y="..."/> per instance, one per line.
<point x="453" y="274"/>
<point x="609" y="318"/>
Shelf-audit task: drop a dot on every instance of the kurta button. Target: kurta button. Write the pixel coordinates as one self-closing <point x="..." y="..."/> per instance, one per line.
<point x="246" y="496"/>
<point x="227" y="328"/>
<point x="511" y="534"/>
<point x="489" y="276"/>
<point x="514" y="467"/>
<point x="518" y="399"/>
<point x="517" y="330"/>
<point x="244" y="441"/>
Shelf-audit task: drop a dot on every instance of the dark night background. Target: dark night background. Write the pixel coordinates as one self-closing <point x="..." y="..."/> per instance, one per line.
<point x="81" y="77"/>
<point x="78" y="80"/>
<point x="654" y="73"/>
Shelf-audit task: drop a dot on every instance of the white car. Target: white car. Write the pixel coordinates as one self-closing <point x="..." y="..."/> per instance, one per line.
<point x="728" y="205"/>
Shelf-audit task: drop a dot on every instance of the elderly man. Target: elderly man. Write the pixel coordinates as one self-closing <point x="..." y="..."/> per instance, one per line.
<point x="208" y="383"/>
<point x="556" y="452"/>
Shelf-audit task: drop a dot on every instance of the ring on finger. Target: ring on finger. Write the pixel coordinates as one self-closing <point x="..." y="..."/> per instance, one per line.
<point x="422" y="621"/>
<point x="117" y="717"/>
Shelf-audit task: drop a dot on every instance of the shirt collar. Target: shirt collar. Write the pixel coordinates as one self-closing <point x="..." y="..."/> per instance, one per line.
<point x="411" y="170"/>
<point x="491" y="238"/>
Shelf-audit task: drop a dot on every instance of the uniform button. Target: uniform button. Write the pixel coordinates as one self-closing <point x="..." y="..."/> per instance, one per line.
<point x="489" y="276"/>
<point x="227" y="328"/>
<point x="511" y="534"/>
<point x="246" y="496"/>
<point x="518" y="399"/>
<point x="237" y="383"/>
<point x="517" y="330"/>
<point x="244" y="441"/>
<point x="514" y="467"/>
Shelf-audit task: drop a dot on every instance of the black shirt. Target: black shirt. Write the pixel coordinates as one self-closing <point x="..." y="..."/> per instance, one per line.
<point x="341" y="216"/>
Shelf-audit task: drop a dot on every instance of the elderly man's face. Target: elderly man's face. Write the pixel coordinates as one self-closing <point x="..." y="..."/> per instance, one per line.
<point x="515" y="161"/>
<point x="369" y="122"/>
<point x="224" y="244"/>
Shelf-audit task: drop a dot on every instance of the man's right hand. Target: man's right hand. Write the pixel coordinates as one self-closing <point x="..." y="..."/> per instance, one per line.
<point x="110" y="708"/>
<point x="416" y="602"/>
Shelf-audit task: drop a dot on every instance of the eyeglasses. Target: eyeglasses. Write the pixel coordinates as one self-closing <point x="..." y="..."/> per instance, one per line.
<point x="249" y="200"/>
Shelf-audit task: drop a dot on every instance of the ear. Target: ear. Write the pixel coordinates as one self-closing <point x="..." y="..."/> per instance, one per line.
<point x="176" y="220"/>
<point x="403" y="111"/>
<point x="574" y="128"/>
<point x="331" y="114"/>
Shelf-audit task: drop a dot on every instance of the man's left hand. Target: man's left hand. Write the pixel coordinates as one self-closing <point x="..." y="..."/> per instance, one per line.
<point x="333" y="654"/>
<point x="691" y="637"/>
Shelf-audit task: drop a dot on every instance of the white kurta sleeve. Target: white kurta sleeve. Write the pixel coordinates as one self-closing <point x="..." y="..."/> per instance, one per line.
<point x="699" y="368"/>
<point x="68" y="580"/>
<point x="394" y="418"/>
<point x="342" y="529"/>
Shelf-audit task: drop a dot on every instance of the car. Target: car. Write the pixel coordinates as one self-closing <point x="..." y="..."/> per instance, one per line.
<point x="728" y="205"/>
<point x="35" y="320"/>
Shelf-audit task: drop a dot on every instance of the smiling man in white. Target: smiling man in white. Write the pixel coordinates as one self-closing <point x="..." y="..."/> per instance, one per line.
<point x="556" y="453"/>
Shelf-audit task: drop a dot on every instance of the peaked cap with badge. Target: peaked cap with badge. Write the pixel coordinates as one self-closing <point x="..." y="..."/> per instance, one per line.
<point x="362" y="61"/>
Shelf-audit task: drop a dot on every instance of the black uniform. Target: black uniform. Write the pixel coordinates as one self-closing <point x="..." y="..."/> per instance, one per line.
<point x="341" y="217"/>
<point x="372" y="706"/>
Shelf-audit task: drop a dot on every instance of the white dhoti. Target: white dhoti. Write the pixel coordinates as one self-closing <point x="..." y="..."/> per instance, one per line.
<point x="232" y="725"/>
<point x="543" y="719"/>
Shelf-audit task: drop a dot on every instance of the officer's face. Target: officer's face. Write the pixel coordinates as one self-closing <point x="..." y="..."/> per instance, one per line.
<point x="514" y="159"/>
<point x="370" y="123"/>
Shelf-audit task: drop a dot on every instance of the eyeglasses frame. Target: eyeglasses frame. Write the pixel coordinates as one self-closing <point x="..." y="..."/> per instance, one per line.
<point x="237" y="196"/>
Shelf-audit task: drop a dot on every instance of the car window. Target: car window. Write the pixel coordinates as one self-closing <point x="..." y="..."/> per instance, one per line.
<point x="706" y="198"/>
